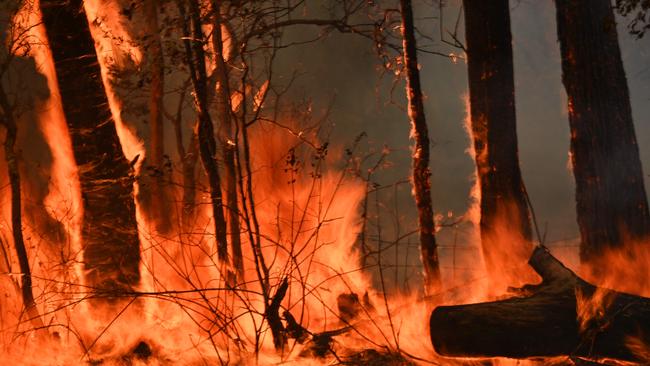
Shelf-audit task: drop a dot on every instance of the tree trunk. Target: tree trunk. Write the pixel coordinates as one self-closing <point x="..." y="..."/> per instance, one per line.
<point x="611" y="200"/>
<point x="504" y="212"/>
<point x="562" y="316"/>
<point x="189" y="161"/>
<point x="228" y="143"/>
<point x="421" y="179"/>
<point x="8" y="121"/>
<point x="155" y="190"/>
<point x="206" y="142"/>
<point x="109" y="231"/>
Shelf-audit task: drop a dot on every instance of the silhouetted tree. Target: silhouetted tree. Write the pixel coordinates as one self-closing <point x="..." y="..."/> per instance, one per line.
<point x="17" y="45"/>
<point x="195" y="55"/>
<point x="505" y="222"/>
<point x="610" y="196"/>
<point x="155" y="191"/>
<point x="8" y="121"/>
<point x="421" y="179"/>
<point x="227" y="140"/>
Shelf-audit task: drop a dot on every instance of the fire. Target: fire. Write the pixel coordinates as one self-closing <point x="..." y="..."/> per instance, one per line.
<point x="186" y="311"/>
<point x="622" y="268"/>
<point x="592" y="307"/>
<point x="626" y="270"/>
<point x="473" y="214"/>
<point x="508" y="250"/>
<point x="302" y="265"/>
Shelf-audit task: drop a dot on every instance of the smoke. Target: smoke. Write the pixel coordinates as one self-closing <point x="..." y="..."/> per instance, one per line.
<point x="345" y="68"/>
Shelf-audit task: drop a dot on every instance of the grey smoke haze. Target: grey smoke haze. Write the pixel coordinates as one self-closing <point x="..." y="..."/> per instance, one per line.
<point x="345" y="66"/>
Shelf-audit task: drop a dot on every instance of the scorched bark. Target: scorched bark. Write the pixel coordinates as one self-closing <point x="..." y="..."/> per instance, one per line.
<point x="421" y="179"/>
<point x="227" y="140"/>
<point x="494" y="130"/>
<point x="155" y="190"/>
<point x="611" y="200"/>
<point x="207" y="145"/>
<point x="109" y="231"/>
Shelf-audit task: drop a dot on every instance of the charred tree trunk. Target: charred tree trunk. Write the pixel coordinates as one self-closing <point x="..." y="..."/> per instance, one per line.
<point x="189" y="159"/>
<point x="189" y="180"/>
<point x="562" y="316"/>
<point x="206" y="141"/>
<point x="8" y="121"/>
<point x="109" y="232"/>
<point x="421" y="179"/>
<point x="611" y="200"/>
<point x="504" y="212"/>
<point x="156" y="192"/>
<point x="227" y="139"/>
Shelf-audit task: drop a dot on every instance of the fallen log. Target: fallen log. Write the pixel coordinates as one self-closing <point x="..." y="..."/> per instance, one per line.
<point x="562" y="316"/>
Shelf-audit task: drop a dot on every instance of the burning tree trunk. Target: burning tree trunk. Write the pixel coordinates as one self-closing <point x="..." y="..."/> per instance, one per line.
<point x="207" y="144"/>
<point x="421" y="173"/>
<point x="227" y="140"/>
<point x="155" y="193"/>
<point x="109" y="231"/>
<point x="562" y="316"/>
<point x="610" y="196"/>
<point x="504" y="212"/>
<point x="8" y="121"/>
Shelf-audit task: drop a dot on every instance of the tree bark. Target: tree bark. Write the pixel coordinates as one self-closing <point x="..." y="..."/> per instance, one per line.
<point x="189" y="180"/>
<point x="504" y="211"/>
<point x="562" y="316"/>
<point x="155" y="190"/>
<point x="421" y="179"/>
<point x="188" y="159"/>
<point x="109" y="231"/>
<point x="207" y="144"/>
<point x="227" y="139"/>
<point x="611" y="200"/>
